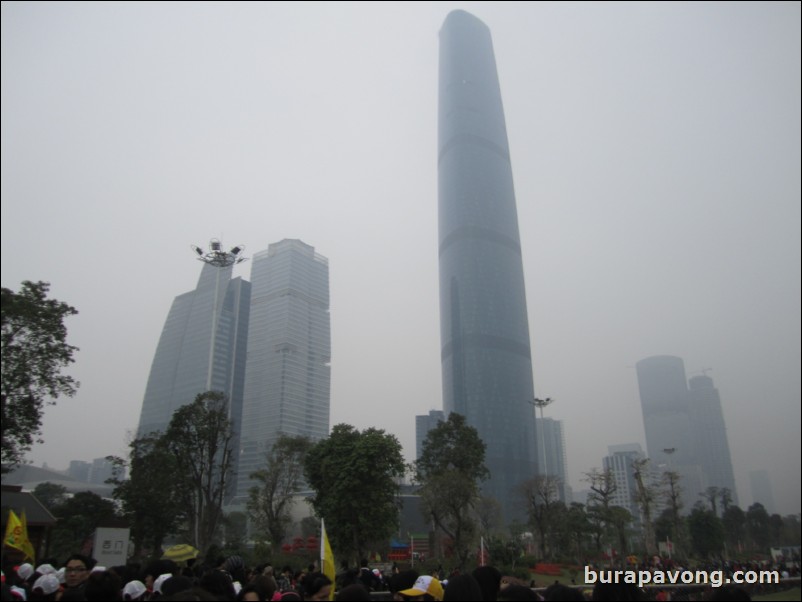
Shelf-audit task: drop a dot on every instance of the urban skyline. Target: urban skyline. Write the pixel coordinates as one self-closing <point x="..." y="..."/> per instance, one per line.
<point x="656" y="149"/>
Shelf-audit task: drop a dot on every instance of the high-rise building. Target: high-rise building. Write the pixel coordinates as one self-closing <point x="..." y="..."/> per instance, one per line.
<point x="486" y="358"/>
<point x="288" y="370"/>
<point x="202" y="348"/>
<point x="423" y="424"/>
<point x="620" y="462"/>
<point x="684" y="426"/>
<point x="710" y="434"/>
<point x="551" y="459"/>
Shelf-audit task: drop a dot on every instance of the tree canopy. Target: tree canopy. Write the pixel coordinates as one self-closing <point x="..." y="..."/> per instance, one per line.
<point x="34" y="352"/>
<point x="355" y="478"/>
<point x="449" y="471"/>
<point x="150" y="497"/>
<point x="200" y="438"/>
<point x="270" y="502"/>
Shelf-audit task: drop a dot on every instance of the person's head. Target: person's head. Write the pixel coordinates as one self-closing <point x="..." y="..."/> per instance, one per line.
<point x="489" y="580"/>
<point x="76" y="570"/>
<point x="462" y="587"/>
<point x="424" y="588"/>
<point x="45" y="588"/>
<point x="617" y="591"/>
<point x="562" y="593"/>
<point x="134" y="590"/>
<point x="317" y="587"/>
<point x="103" y="585"/>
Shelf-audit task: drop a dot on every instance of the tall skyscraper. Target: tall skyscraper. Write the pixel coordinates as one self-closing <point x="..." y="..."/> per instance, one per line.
<point x="211" y="320"/>
<point x="287" y="378"/>
<point x="485" y="354"/>
<point x="551" y="460"/>
<point x="684" y="426"/>
<point x="710" y="434"/>
<point x="620" y="462"/>
<point x="423" y="424"/>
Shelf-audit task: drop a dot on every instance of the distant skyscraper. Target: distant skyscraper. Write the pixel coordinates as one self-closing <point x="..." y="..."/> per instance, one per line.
<point x="423" y="424"/>
<point x="287" y="372"/>
<point x="181" y="365"/>
<point x="486" y="359"/>
<point x="553" y="461"/>
<point x="684" y="427"/>
<point x="760" y="484"/>
<point x="620" y="462"/>
<point x="710" y="434"/>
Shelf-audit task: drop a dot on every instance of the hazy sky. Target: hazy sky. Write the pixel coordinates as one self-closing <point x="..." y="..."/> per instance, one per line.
<point x="655" y="151"/>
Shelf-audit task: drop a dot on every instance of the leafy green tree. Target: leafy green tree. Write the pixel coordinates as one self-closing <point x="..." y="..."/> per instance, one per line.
<point x="151" y="496"/>
<point x="78" y="517"/>
<point x="50" y="494"/>
<point x="355" y="478"/>
<point x="200" y="437"/>
<point x="34" y="352"/>
<point x="270" y="503"/>
<point x="734" y="521"/>
<point x="757" y="526"/>
<point x="449" y="471"/>
<point x="619" y="519"/>
<point x="706" y="531"/>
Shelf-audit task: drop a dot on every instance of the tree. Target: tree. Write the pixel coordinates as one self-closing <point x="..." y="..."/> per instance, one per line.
<point x="78" y="517"/>
<point x="673" y="495"/>
<point x="645" y="496"/>
<point x="151" y="496"/>
<point x="706" y="531"/>
<point x="734" y="521"/>
<point x="354" y="476"/>
<point x="200" y="437"/>
<point x="602" y="487"/>
<point x="50" y="494"/>
<point x="757" y="526"/>
<point x="270" y="503"/>
<point x="449" y="471"/>
<point x="34" y="351"/>
<point x="541" y="495"/>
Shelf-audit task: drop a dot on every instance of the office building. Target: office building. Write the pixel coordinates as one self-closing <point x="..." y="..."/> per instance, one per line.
<point x="485" y="351"/>
<point x="620" y="461"/>
<point x="423" y="424"/>
<point x="710" y="435"/>
<point x="201" y="348"/>
<point x="551" y="459"/>
<point x="685" y="430"/>
<point x="287" y="373"/>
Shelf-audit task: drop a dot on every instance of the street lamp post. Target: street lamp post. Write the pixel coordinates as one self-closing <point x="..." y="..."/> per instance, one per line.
<point x="218" y="258"/>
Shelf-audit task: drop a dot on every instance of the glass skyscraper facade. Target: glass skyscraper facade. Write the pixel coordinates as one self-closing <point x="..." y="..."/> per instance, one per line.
<point x="210" y="320"/>
<point x="486" y="358"/>
<point x="288" y="372"/>
<point x="685" y="429"/>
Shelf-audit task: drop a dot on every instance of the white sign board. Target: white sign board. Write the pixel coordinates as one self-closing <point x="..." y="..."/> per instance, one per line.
<point x="111" y="546"/>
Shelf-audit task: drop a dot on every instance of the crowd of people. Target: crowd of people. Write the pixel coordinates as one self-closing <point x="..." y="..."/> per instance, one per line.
<point x="229" y="579"/>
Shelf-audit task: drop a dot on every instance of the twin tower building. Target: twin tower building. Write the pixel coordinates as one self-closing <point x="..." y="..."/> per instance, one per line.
<point x="267" y="345"/>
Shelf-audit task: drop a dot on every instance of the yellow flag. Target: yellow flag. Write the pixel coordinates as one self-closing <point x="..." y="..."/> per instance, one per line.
<point x="327" y="558"/>
<point x="17" y="535"/>
<point x="26" y="541"/>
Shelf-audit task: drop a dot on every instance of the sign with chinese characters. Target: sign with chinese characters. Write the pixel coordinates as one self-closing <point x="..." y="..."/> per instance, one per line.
<point x="111" y="546"/>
